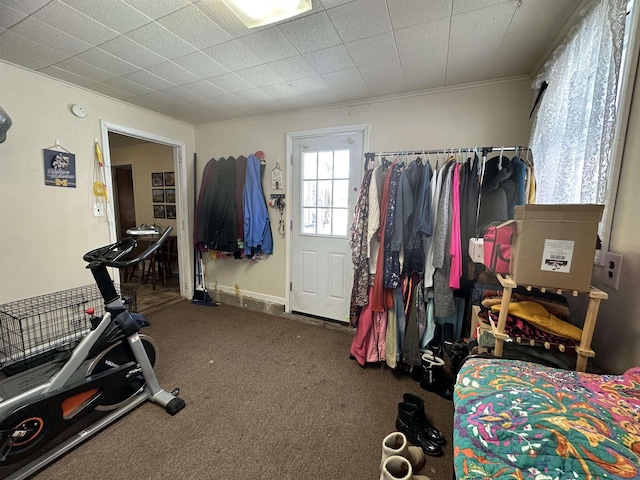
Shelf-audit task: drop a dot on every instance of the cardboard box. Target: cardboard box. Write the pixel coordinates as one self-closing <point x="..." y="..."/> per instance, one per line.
<point x="554" y="245"/>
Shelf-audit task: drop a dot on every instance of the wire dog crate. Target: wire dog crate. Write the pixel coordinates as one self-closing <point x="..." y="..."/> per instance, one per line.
<point x="33" y="330"/>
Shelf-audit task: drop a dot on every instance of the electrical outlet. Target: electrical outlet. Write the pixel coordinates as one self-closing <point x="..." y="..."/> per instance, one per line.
<point x="612" y="269"/>
<point x="98" y="211"/>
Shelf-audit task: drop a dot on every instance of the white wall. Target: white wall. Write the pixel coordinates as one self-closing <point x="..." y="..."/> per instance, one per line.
<point x="489" y="114"/>
<point x="46" y="230"/>
<point x="616" y="339"/>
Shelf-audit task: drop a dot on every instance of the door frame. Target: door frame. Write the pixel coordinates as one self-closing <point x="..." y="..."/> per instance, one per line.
<point x="182" y="208"/>
<point x="363" y="129"/>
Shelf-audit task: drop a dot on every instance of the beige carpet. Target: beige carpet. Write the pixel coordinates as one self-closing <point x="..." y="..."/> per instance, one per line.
<point x="267" y="398"/>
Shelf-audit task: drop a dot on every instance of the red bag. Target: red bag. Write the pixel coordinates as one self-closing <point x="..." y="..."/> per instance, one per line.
<point x="497" y="248"/>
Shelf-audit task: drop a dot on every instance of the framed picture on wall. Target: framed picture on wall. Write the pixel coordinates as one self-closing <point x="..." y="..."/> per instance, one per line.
<point x="170" y="195"/>
<point x="171" y="211"/>
<point x="169" y="179"/>
<point x="157" y="180"/>
<point x="158" y="211"/>
<point x="158" y="195"/>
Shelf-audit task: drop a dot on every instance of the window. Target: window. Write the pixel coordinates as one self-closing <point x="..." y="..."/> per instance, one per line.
<point x="325" y="193"/>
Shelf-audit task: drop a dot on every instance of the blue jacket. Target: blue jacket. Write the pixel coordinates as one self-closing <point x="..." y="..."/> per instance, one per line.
<point x="257" y="226"/>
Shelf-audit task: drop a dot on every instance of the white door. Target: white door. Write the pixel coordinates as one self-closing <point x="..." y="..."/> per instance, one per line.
<point x="326" y="176"/>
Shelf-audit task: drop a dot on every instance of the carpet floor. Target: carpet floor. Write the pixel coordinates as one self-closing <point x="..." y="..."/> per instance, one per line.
<point x="268" y="397"/>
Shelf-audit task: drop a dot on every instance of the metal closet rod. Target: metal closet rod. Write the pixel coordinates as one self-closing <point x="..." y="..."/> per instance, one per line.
<point x="484" y="150"/>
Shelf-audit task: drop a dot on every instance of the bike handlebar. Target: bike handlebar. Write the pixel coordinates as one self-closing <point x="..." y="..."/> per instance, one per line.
<point x="111" y="255"/>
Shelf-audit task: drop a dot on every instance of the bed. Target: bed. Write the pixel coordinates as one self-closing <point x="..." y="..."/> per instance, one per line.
<point x="520" y="420"/>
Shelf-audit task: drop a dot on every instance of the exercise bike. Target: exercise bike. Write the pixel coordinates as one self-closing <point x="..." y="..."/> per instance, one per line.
<point x="110" y="369"/>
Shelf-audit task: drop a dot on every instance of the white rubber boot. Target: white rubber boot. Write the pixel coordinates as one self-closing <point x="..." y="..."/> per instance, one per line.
<point x="396" y="444"/>
<point x="398" y="468"/>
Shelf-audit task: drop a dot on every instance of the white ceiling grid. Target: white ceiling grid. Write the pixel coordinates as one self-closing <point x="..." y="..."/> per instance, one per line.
<point x="196" y="62"/>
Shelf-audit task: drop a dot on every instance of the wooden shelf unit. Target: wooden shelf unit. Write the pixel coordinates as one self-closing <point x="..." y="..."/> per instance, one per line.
<point x="583" y="350"/>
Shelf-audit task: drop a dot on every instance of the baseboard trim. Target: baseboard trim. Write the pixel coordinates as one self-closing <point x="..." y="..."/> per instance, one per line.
<point x="246" y="299"/>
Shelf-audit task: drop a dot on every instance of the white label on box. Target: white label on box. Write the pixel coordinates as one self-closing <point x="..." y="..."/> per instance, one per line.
<point x="557" y="255"/>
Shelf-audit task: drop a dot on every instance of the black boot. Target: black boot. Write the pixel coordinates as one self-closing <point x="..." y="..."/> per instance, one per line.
<point x="434" y="379"/>
<point x="434" y="435"/>
<point x="408" y="422"/>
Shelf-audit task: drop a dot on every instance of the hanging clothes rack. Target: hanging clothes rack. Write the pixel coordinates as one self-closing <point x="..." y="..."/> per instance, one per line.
<point x="483" y="151"/>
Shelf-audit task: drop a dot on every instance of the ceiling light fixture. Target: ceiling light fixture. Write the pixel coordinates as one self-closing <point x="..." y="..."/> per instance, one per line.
<point x="255" y="13"/>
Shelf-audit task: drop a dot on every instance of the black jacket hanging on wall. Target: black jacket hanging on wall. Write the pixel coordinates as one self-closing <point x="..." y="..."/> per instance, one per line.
<point x="218" y="217"/>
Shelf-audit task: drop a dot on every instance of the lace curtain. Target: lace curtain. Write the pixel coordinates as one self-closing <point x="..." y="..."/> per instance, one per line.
<point x="574" y="126"/>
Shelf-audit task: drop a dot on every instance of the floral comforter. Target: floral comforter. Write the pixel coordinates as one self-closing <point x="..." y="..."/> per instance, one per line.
<point x="519" y="420"/>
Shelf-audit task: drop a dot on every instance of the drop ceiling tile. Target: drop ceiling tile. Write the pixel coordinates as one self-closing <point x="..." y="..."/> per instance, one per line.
<point x="316" y="99"/>
<point x="160" y="40"/>
<point x="281" y="91"/>
<point x="228" y="101"/>
<point x="132" y="52"/>
<point x="405" y="13"/>
<point x="158" y="8"/>
<point x="352" y="94"/>
<point x="22" y="60"/>
<point x="525" y="45"/>
<point x="149" y="80"/>
<point x="219" y="13"/>
<point x="330" y="59"/>
<point x="310" y="33"/>
<point x="254" y="96"/>
<point x="127" y="86"/>
<point x="232" y="55"/>
<point x="333" y="3"/>
<point x="345" y="80"/>
<point x="310" y="85"/>
<point x="424" y="81"/>
<point x="259" y="76"/>
<point x="25" y="6"/>
<point x="67" y="76"/>
<point x="183" y="94"/>
<point x="9" y="16"/>
<point x="50" y="37"/>
<point x="375" y="49"/>
<point x="12" y="43"/>
<point x="360" y="19"/>
<point x="69" y="20"/>
<point x="154" y="101"/>
<point x="268" y="45"/>
<point x="109" y="91"/>
<point x="482" y="26"/>
<point x="423" y="48"/>
<point x="292" y="68"/>
<point x="462" y="6"/>
<point x="195" y="27"/>
<point x="115" y="14"/>
<point x="205" y="89"/>
<point x="382" y="73"/>
<point x="469" y="65"/>
<point x="201" y="65"/>
<point x="79" y="67"/>
<point x="104" y="60"/>
<point x="231" y="83"/>
<point x="392" y="88"/>
<point x="173" y="73"/>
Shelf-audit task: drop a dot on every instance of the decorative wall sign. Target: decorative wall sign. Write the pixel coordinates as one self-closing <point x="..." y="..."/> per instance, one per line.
<point x="158" y="195"/>
<point x="157" y="179"/>
<point x="158" y="211"/>
<point x="59" y="168"/>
